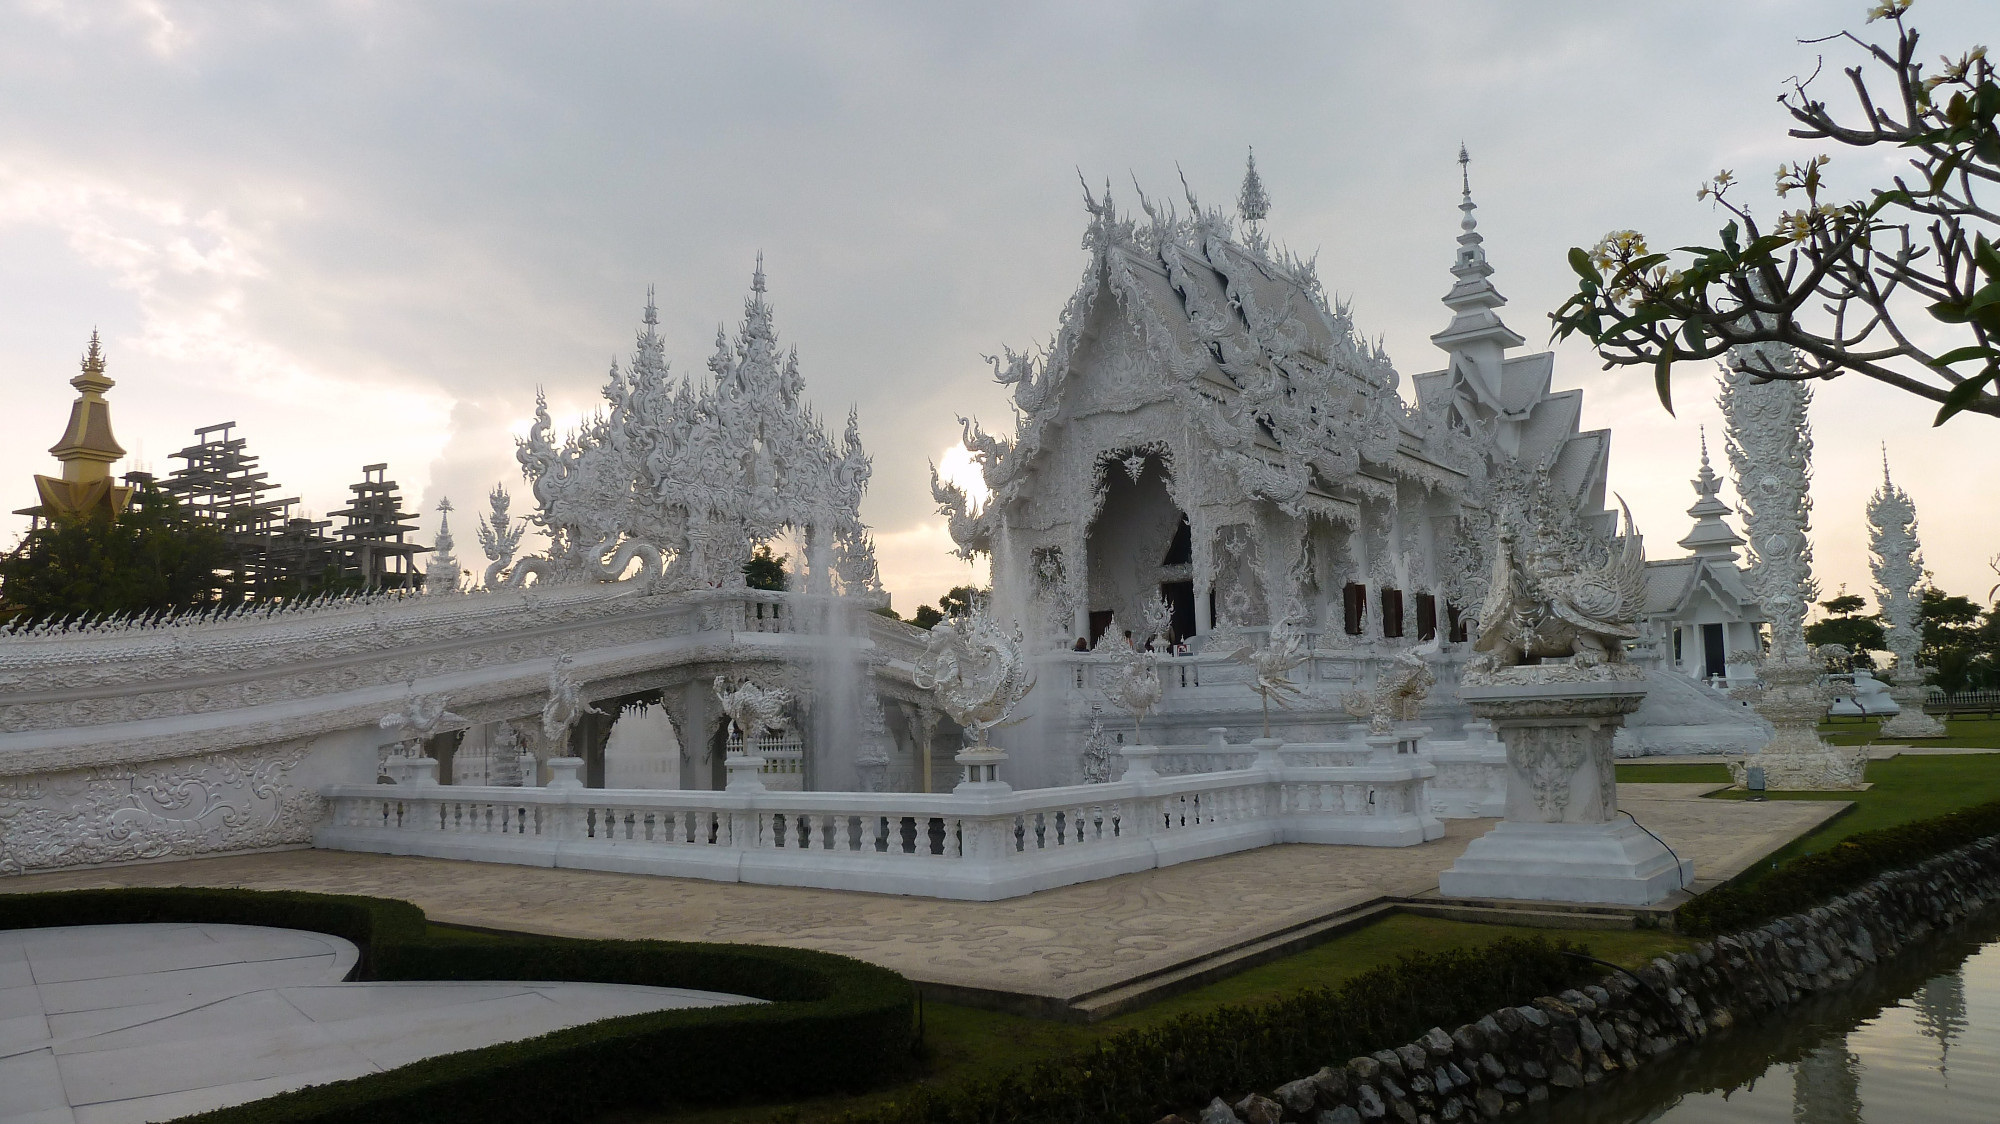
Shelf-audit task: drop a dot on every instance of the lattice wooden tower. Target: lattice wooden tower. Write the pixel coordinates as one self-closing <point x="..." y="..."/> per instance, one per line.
<point x="371" y="542"/>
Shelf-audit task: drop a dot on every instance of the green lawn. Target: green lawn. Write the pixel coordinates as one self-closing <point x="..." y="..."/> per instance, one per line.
<point x="1902" y="789"/>
<point x="1960" y="733"/>
<point x="964" y="1043"/>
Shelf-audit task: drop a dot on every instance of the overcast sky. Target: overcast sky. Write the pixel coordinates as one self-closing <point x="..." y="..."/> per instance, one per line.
<point x="366" y="232"/>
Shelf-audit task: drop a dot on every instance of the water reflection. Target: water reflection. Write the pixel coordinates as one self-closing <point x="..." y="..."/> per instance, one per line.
<point x="1918" y="1042"/>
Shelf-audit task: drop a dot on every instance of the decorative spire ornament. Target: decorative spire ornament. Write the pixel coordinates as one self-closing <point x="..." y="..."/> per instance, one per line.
<point x="1770" y="449"/>
<point x="1252" y="203"/>
<point x="1897" y="561"/>
<point x="442" y="575"/>
<point x="1711" y="536"/>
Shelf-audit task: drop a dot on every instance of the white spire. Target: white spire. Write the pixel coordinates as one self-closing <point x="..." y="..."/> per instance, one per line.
<point x="1712" y="537"/>
<point x="441" y="575"/>
<point x="1475" y="337"/>
<point x="1252" y="203"/>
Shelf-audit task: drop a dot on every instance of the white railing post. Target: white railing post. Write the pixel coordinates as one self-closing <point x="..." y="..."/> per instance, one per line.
<point x="563" y="774"/>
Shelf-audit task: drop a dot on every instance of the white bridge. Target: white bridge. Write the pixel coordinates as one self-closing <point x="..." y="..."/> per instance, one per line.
<point x="978" y="848"/>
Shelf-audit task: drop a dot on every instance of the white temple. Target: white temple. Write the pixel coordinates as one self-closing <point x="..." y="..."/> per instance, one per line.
<point x="1207" y="429"/>
<point x="1218" y="528"/>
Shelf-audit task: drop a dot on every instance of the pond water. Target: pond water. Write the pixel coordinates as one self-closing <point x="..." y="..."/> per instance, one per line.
<point x="1915" y="1042"/>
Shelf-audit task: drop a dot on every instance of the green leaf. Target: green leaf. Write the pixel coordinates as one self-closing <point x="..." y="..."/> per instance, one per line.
<point x="1950" y="312"/>
<point x="1961" y="354"/>
<point x="1965" y="394"/>
<point x="1663" y="372"/>
<point x="1579" y="260"/>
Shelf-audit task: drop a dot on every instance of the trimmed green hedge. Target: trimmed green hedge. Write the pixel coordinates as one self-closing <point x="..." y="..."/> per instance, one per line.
<point x="832" y="1023"/>
<point x="1146" y="1073"/>
<point x="1809" y="880"/>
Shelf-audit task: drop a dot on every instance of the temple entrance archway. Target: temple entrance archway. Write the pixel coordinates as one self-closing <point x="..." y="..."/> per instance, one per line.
<point x="1139" y="547"/>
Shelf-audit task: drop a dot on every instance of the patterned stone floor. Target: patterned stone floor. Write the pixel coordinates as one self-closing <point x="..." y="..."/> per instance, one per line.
<point x="1058" y="943"/>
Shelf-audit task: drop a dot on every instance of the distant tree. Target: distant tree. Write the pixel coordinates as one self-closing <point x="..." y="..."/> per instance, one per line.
<point x="153" y="558"/>
<point x="1864" y="286"/>
<point x="926" y="616"/>
<point x="959" y="600"/>
<point x="886" y="611"/>
<point x="1858" y="635"/>
<point x="764" y="571"/>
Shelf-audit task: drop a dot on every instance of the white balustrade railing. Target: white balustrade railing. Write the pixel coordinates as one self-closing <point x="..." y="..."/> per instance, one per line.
<point x="979" y="848"/>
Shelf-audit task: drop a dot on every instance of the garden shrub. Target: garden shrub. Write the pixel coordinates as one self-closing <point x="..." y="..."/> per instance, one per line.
<point x="1143" y="1074"/>
<point x="832" y="1023"/>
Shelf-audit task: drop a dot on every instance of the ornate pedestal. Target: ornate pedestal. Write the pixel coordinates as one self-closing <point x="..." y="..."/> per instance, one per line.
<point x="1562" y="838"/>
<point x="1910" y="721"/>
<point x="1797" y="758"/>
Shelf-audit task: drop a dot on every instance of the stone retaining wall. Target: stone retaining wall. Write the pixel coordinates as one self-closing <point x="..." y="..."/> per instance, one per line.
<point x="1520" y="1056"/>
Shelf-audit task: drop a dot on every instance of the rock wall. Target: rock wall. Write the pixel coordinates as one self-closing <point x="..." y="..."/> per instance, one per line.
<point x="1516" y="1057"/>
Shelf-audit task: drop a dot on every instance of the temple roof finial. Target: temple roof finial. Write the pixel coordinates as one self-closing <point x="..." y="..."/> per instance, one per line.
<point x="1711" y="536"/>
<point x="1473" y="300"/>
<point x="1253" y="203"/>
<point x="757" y="278"/>
<point x="1886" y="482"/>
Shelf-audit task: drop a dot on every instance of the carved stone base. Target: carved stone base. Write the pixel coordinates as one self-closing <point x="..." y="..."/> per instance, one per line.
<point x="1804" y="764"/>
<point x="1563" y="839"/>
<point x="1911" y="721"/>
<point x="1617" y="863"/>
<point x="1797" y="759"/>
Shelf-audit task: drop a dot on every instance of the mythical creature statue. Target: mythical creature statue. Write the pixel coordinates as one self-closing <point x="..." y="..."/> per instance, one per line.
<point x="1135" y="679"/>
<point x="1545" y="606"/>
<point x="421" y="717"/>
<point x="566" y="706"/>
<point x="977" y="671"/>
<point x="499" y="536"/>
<point x="752" y="708"/>
<point x="1399" y="691"/>
<point x="1271" y="663"/>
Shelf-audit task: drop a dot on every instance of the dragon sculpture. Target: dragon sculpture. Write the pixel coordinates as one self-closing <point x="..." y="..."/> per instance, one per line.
<point x="751" y="707"/>
<point x="1399" y="691"/>
<point x="566" y="706"/>
<point x="976" y="670"/>
<point x="1545" y="606"/>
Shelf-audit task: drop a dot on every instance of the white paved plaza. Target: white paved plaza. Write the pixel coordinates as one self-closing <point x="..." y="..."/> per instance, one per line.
<point x="120" y="1024"/>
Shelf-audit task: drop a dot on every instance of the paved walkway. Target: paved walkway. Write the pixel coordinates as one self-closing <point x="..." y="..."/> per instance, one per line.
<point x="1057" y="944"/>
<point x="121" y="1024"/>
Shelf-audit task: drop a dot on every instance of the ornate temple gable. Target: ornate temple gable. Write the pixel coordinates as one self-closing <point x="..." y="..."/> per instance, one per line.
<point x="1273" y="386"/>
<point x="690" y="476"/>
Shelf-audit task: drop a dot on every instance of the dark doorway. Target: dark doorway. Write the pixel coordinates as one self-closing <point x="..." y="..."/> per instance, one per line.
<point x="1392" y="612"/>
<point x="1180" y="595"/>
<point x="1712" y="656"/>
<point x="1100" y="619"/>
<point x="1180" y="552"/>
<point x="1354" y="604"/>
<point x="1427" y="617"/>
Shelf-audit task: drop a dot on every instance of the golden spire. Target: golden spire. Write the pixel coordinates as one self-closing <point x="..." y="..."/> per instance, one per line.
<point x="87" y="450"/>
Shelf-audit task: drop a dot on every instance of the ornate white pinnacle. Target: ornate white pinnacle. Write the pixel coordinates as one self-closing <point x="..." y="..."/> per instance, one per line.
<point x="442" y="575"/>
<point x="1898" y="565"/>
<point x="1770" y="450"/>
<point x="1252" y="203"/>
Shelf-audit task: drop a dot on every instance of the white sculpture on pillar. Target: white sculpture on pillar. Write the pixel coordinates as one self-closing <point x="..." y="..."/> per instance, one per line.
<point x="1898" y="565"/>
<point x="752" y="709"/>
<point x="1135" y="678"/>
<point x="564" y="709"/>
<point x="421" y="718"/>
<point x="976" y="670"/>
<point x="1770" y="449"/>
<point x="1554" y="679"/>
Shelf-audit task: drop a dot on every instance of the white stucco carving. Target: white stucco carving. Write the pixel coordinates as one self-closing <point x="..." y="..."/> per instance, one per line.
<point x="1898" y="565"/>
